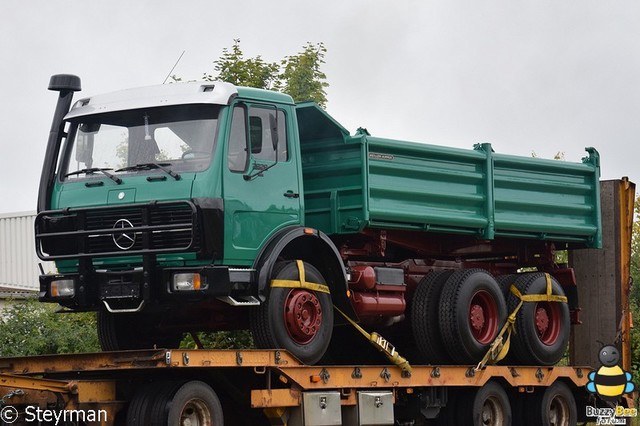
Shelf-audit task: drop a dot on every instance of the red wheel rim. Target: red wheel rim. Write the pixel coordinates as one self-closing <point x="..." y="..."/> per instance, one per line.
<point x="302" y="315"/>
<point x="483" y="317"/>
<point x="547" y="321"/>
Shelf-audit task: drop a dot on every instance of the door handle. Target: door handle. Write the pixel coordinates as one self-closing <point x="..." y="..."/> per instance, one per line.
<point x="291" y="194"/>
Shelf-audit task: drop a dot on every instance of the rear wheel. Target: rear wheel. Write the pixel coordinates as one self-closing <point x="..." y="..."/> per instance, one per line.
<point x="542" y="328"/>
<point x="296" y="319"/>
<point x="471" y="312"/>
<point x="126" y="331"/>
<point x="424" y="318"/>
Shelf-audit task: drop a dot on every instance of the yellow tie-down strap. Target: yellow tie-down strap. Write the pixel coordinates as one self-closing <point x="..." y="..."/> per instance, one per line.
<point x="302" y="282"/>
<point x="500" y="346"/>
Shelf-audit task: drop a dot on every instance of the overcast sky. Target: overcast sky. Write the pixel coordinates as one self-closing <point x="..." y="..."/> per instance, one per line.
<point x="527" y="76"/>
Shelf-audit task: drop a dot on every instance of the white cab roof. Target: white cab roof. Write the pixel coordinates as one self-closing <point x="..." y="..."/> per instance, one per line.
<point x="203" y="92"/>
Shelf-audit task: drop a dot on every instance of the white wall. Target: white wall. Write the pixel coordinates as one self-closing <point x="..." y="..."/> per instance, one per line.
<point x="18" y="260"/>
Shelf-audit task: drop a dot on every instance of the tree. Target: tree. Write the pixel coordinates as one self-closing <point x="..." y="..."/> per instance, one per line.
<point x="298" y="75"/>
<point x="635" y="292"/>
<point x="32" y="328"/>
<point x="233" y="68"/>
<point x="302" y="77"/>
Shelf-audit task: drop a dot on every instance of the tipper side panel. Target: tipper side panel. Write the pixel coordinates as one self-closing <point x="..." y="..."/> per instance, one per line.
<point x="426" y="187"/>
<point x="440" y="189"/>
<point x="547" y="199"/>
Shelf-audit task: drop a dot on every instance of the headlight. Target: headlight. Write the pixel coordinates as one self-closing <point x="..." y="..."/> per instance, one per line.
<point x="187" y="281"/>
<point x="63" y="288"/>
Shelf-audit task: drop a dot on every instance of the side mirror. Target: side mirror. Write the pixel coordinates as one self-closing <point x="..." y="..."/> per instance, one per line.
<point x="273" y="125"/>
<point x="255" y="133"/>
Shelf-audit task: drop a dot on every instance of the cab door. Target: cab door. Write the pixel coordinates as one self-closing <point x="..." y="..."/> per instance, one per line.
<point x="261" y="184"/>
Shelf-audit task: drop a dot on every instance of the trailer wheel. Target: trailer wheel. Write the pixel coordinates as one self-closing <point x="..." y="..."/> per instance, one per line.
<point x="542" y="328"/>
<point x="556" y="406"/>
<point x="175" y="403"/>
<point x="296" y="319"/>
<point x="486" y="406"/>
<point x="118" y="332"/>
<point x="424" y="317"/>
<point x="194" y="404"/>
<point x="471" y="312"/>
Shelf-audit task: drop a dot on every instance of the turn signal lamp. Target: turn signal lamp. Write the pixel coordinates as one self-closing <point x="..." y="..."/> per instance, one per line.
<point x="63" y="288"/>
<point x="187" y="281"/>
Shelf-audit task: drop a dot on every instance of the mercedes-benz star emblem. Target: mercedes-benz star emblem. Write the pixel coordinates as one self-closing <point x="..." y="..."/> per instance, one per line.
<point x="126" y="238"/>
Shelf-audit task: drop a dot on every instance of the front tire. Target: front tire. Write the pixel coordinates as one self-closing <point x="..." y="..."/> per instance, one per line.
<point x="298" y="320"/>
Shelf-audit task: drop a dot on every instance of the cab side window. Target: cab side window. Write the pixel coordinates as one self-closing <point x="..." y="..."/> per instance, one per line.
<point x="262" y="135"/>
<point x="238" y="154"/>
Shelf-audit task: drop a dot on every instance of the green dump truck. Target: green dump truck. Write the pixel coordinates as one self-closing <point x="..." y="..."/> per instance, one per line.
<point x="206" y="206"/>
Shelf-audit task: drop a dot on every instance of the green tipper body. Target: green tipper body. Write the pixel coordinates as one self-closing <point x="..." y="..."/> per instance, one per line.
<point x="355" y="182"/>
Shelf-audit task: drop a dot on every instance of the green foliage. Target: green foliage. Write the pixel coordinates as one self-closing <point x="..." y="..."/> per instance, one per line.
<point x="302" y="77"/>
<point x="297" y="75"/>
<point x="232" y="67"/>
<point x="236" y="339"/>
<point x="635" y="256"/>
<point x="635" y="343"/>
<point x="32" y="328"/>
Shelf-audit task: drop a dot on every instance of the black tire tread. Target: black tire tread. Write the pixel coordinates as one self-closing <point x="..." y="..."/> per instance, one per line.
<point x="424" y="318"/>
<point x="454" y="289"/>
<point x="524" y="347"/>
<point x="266" y="335"/>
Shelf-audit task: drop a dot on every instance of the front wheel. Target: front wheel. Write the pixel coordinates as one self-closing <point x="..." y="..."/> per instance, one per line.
<point x="298" y="320"/>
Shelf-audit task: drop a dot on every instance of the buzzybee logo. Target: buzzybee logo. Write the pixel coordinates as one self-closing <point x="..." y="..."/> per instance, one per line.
<point x="610" y="381"/>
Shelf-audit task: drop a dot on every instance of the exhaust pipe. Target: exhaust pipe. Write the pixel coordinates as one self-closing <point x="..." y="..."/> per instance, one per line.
<point x="65" y="85"/>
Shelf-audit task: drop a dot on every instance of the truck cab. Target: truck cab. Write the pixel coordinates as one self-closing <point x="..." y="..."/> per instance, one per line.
<point x="160" y="199"/>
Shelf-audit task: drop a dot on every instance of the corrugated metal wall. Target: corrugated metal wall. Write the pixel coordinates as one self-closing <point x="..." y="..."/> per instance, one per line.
<point x="18" y="260"/>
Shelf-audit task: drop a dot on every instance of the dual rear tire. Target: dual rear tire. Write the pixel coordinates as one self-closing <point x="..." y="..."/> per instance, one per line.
<point x="455" y="316"/>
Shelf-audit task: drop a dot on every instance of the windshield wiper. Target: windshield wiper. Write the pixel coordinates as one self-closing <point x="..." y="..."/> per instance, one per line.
<point x="92" y="170"/>
<point x="150" y="166"/>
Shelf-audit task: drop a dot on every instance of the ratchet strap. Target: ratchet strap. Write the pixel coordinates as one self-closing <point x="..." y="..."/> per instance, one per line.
<point x="381" y="344"/>
<point x="302" y="282"/>
<point x="500" y="346"/>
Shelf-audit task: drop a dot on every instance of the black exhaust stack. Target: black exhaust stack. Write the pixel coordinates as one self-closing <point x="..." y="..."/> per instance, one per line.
<point x="65" y="84"/>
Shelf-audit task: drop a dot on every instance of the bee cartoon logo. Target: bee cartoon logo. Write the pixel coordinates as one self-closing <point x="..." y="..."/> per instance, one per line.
<point x="610" y="381"/>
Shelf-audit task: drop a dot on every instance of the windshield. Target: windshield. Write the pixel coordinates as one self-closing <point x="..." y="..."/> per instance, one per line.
<point x="181" y="138"/>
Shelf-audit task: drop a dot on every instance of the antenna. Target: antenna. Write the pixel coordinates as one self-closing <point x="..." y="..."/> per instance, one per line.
<point x="174" y="67"/>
